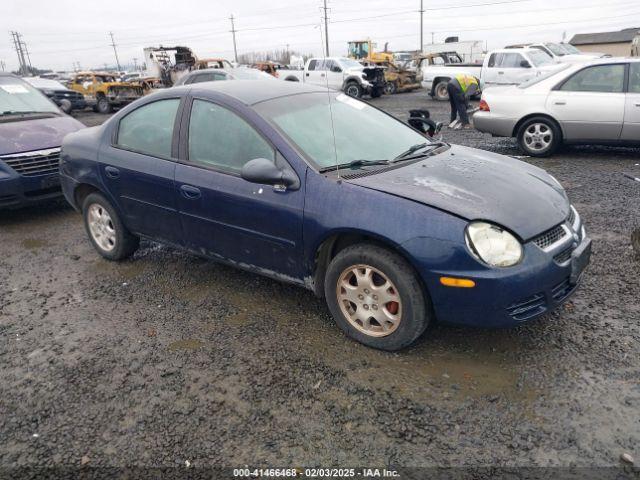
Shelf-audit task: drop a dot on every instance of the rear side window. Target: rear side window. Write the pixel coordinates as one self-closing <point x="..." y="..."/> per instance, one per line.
<point x="149" y="129"/>
<point x="599" y="78"/>
<point x="634" y="77"/>
<point x="220" y="139"/>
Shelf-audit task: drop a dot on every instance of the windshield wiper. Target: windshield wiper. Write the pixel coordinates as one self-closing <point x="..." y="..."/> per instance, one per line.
<point x="356" y="163"/>
<point x="26" y="112"/>
<point x="409" y="154"/>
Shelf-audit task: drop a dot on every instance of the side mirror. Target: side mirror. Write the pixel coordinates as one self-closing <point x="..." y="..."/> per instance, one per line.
<point x="336" y="69"/>
<point x="525" y="64"/>
<point x="261" y="170"/>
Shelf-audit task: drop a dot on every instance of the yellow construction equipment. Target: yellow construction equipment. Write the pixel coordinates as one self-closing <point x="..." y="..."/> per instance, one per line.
<point x="363" y="51"/>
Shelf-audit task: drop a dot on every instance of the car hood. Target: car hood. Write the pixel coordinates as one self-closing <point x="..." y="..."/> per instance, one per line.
<point x="478" y="185"/>
<point x="27" y="135"/>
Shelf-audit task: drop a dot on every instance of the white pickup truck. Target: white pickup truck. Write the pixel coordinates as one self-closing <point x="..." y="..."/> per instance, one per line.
<point x="340" y="74"/>
<point x="438" y="68"/>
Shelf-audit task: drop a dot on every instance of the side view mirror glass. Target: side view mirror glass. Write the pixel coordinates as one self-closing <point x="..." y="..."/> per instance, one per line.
<point x="261" y="170"/>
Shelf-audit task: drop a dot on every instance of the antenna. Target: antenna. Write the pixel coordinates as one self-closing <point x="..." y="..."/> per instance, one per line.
<point x="333" y="129"/>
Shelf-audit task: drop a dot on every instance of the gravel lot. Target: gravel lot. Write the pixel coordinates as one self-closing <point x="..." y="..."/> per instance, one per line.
<point x="169" y="358"/>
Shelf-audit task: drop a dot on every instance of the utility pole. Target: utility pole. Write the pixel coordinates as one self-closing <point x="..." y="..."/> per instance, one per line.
<point x="113" y="44"/>
<point x="135" y="64"/>
<point x="233" y="31"/>
<point x="326" y="29"/>
<point x="2" y="65"/>
<point x="19" y="44"/>
<point x="432" y="38"/>
<point x="421" y="26"/>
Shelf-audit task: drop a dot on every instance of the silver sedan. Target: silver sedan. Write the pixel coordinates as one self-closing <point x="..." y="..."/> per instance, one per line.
<point x="596" y="102"/>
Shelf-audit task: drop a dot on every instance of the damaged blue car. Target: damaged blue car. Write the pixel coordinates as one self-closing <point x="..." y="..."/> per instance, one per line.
<point x="316" y="188"/>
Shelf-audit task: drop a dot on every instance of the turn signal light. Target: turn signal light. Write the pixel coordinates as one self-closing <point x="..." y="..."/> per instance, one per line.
<point x="457" y="282"/>
<point x="484" y="106"/>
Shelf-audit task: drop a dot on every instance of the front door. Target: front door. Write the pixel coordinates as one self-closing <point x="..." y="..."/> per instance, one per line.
<point x="631" y="128"/>
<point x="138" y="170"/>
<point x="255" y="226"/>
<point x="590" y="104"/>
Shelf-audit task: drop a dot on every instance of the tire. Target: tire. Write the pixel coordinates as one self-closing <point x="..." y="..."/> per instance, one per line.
<point x="66" y="106"/>
<point x="106" y="232"/>
<point x="377" y="92"/>
<point x="440" y="91"/>
<point x="412" y="311"/>
<point x="103" y="105"/>
<point x="391" y="88"/>
<point x="539" y="136"/>
<point x="353" y="89"/>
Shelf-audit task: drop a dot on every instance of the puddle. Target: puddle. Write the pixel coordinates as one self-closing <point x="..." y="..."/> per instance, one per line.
<point x="33" y="243"/>
<point x="187" y="344"/>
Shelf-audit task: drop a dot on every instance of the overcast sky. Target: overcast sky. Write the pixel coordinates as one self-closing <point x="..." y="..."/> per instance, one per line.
<point x="58" y="33"/>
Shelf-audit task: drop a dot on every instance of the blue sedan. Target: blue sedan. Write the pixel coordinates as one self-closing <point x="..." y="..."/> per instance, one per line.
<point x="319" y="189"/>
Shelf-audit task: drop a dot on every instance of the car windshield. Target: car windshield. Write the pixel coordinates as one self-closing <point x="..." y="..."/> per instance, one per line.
<point x="362" y="132"/>
<point x="570" y="49"/>
<point x="349" y="63"/>
<point x="539" y="58"/>
<point x="17" y="96"/>
<point x="544" y="76"/>
<point x="556" y="49"/>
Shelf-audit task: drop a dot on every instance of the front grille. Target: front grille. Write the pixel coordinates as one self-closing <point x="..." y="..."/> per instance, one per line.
<point x="550" y="237"/>
<point x="528" y="307"/>
<point x="67" y="95"/>
<point x="564" y="256"/>
<point x="31" y="164"/>
<point x="562" y="290"/>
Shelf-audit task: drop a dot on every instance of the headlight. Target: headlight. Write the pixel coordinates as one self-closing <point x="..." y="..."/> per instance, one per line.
<point x="493" y="245"/>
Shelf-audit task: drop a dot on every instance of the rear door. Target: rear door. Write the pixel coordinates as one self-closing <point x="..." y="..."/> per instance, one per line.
<point x="631" y="128"/>
<point x="138" y="168"/>
<point x="590" y="104"/>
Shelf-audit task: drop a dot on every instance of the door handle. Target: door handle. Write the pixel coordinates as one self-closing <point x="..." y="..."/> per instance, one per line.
<point x="112" y="172"/>
<point x="322" y="74"/>
<point x="500" y="73"/>
<point x="306" y="74"/>
<point x="561" y="102"/>
<point x="189" y="192"/>
<point x="637" y="104"/>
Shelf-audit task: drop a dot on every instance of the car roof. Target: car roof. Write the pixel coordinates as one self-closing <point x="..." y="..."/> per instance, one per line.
<point x="251" y="92"/>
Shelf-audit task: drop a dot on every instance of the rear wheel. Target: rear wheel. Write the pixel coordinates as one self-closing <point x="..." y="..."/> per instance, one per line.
<point x="353" y="89"/>
<point x="390" y="88"/>
<point x="440" y="92"/>
<point x="105" y="229"/>
<point x="376" y="298"/>
<point x="539" y="137"/>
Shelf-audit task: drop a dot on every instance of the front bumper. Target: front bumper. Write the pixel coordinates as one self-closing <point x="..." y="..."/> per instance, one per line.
<point x="19" y="191"/>
<point x="507" y="297"/>
<point x="488" y="122"/>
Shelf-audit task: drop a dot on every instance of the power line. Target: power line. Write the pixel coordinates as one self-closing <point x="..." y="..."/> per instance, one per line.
<point x="113" y="44"/>
<point x="233" y="31"/>
<point x="326" y="29"/>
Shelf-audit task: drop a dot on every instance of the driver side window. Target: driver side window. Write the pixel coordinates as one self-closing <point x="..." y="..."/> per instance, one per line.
<point x="149" y="129"/>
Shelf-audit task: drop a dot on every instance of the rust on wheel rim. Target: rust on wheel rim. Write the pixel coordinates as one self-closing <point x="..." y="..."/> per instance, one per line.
<point x="369" y="300"/>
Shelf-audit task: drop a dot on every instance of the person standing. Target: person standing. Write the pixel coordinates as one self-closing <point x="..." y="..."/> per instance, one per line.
<point x="460" y="88"/>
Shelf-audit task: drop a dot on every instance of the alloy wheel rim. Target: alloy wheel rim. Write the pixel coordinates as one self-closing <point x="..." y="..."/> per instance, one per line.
<point x="538" y="136"/>
<point x="352" y="91"/>
<point x="442" y="91"/>
<point x="369" y="300"/>
<point x="101" y="227"/>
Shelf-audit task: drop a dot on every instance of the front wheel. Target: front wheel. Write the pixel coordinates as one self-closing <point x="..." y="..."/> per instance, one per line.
<point x="539" y="137"/>
<point x="391" y="88"/>
<point x="105" y="229"/>
<point x="353" y="89"/>
<point x="103" y="105"/>
<point x="376" y="298"/>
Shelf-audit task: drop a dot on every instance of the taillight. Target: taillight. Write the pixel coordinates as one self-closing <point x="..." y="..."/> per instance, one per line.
<point x="484" y="106"/>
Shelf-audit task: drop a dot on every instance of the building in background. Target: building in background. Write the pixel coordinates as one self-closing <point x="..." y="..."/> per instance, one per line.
<point x="617" y="44"/>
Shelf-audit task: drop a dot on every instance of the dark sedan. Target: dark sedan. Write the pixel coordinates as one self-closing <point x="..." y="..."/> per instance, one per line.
<point x="31" y="131"/>
<point x="313" y="187"/>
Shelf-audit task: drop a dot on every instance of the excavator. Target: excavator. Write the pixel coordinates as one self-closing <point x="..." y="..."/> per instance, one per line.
<point x="397" y="79"/>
